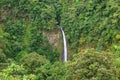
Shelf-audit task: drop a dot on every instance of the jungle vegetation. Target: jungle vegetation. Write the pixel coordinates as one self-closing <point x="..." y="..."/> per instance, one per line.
<point x="92" y="29"/>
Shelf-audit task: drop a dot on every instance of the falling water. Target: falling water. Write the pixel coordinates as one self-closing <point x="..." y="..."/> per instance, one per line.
<point x="65" y="46"/>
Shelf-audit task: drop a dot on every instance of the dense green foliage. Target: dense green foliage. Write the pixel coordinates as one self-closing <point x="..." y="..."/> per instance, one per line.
<point x="16" y="72"/>
<point x="86" y="65"/>
<point x="26" y="53"/>
<point x="91" y="21"/>
<point x="92" y="65"/>
<point x="23" y="25"/>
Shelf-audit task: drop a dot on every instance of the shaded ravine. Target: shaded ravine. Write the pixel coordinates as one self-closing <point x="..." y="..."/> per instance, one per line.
<point x="64" y="56"/>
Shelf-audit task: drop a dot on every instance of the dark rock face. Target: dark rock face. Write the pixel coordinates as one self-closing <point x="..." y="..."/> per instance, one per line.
<point x="53" y="37"/>
<point x="55" y="40"/>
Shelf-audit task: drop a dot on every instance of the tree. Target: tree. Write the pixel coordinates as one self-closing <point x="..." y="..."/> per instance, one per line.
<point x="92" y="65"/>
<point x="33" y="61"/>
<point x="55" y="71"/>
<point x="16" y="72"/>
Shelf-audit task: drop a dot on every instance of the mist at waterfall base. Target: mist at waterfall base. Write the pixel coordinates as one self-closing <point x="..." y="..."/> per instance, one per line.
<point x="64" y="46"/>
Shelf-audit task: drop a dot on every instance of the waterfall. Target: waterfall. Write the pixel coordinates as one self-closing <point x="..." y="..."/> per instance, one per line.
<point x="64" y="45"/>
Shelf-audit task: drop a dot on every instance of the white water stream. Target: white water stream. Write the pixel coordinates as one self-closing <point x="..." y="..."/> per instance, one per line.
<point x="64" y="45"/>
